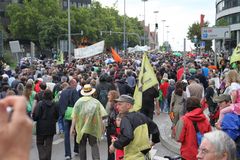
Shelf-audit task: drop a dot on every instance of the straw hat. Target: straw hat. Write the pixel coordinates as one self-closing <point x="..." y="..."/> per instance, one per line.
<point x="87" y="90"/>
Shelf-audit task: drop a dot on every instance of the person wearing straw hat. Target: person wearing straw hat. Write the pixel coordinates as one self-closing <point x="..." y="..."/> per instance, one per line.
<point x="87" y="121"/>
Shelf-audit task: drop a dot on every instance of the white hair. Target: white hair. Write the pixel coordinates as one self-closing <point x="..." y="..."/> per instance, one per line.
<point x="222" y="143"/>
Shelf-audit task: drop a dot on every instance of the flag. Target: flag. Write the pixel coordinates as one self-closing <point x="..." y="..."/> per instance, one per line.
<point x="116" y="56"/>
<point x="60" y="58"/>
<point x="202" y="20"/>
<point x="146" y="79"/>
<point x="236" y="54"/>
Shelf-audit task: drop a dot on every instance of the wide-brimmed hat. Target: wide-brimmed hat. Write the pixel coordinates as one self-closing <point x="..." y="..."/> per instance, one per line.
<point x="87" y="90"/>
<point x="221" y="98"/>
<point x="125" y="98"/>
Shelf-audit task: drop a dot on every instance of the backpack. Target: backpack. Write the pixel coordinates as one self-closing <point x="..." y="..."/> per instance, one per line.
<point x="199" y="135"/>
<point x="103" y="97"/>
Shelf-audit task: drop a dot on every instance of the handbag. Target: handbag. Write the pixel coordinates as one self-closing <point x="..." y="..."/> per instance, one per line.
<point x="68" y="113"/>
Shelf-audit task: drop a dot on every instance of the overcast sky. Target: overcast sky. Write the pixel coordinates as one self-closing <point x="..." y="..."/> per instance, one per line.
<point x="179" y="15"/>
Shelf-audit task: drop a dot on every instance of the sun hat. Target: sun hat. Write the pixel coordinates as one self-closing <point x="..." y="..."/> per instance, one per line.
<point x="87" y="90"/>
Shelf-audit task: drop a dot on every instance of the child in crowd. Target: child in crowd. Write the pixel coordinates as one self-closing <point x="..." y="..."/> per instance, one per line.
<point x="119" y="154"/>
<point x="233" y="79"/>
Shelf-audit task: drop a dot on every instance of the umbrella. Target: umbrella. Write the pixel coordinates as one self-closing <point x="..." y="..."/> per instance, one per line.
<point x="178" y="54"/>
<point x="236" y="54"/>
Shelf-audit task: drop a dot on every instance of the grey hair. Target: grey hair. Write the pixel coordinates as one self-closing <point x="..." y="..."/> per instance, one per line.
<point x="211" y="82"/>
<point x="222" y="143"/>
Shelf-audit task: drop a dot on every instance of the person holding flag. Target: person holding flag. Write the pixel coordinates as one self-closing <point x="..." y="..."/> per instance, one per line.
<point x="146" y="90"/>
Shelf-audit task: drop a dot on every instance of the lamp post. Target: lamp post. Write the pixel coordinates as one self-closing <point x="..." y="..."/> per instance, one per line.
<point x="144" y="40"/>
<point x="124" y="28"/>
<point x="156" y="28"/>
<point x="163" y="28"/>
<point x="69" y="33"/>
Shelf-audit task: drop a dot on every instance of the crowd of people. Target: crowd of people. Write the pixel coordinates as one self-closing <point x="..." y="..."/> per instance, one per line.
<point x="90" y="98"/>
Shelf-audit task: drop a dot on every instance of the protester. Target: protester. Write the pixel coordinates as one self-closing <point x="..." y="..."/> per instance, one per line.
<point x="135" y="129"/>
<point x="194" y="88"/>
<point x="216" y="145"/>
<point x="230" y="121"/>
<point x="87" y="121"/>
<point x="177" y="104"/>
<point x="46" y="115"/>
<point x="112" y="114"/>
<point x="186" y="133"/>
<point x="150" y="102"/>
<point x="67" y="100"/>
<point x="210" y="94"/>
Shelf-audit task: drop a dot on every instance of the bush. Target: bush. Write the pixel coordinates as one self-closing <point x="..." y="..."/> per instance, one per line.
<point x="10" y="59"/>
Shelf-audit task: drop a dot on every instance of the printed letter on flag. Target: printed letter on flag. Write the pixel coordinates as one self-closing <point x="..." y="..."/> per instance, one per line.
<point x="146" y="79"/>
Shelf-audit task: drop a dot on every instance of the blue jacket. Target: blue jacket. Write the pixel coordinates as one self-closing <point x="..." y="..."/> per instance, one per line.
<point x="231" y="126"/>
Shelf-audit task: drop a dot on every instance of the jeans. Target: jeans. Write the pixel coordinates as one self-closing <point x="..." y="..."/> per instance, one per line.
<point x="67" y="145"/>
<point x="44" y="146"/>
<point x="164" y="105"/>
<point x="60" y="124"/>
<point x="94" y="147"/>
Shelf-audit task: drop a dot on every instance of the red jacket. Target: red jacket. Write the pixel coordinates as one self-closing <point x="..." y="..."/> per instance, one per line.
<point x="186" y="134"/>
<point x="164" y="87"/>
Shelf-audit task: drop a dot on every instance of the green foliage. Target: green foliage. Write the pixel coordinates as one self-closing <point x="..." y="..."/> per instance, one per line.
<point x="44" y="21"/>
<point x="195" y="30"/>
<point x="30" y="20"/>
<point x="221" y="22"/>
<point x="10" y="59"/>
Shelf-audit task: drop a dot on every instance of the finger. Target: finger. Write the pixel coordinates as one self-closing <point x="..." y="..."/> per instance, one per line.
<point x="3" y="114"/>
<point x="17" y="102"/>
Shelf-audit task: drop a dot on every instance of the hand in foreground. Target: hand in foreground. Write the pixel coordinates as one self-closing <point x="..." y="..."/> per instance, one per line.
<point x="16" y="134"/>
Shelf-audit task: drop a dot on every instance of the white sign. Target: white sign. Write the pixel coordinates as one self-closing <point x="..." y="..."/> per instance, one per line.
<point x="89" y="51"/>
<point x="15" y="46"/>
<point x="209" y="33"/>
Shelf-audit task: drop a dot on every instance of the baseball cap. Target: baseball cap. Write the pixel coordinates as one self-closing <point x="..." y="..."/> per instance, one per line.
<point x="125" y="98"/>
<point x="221" y="98"/>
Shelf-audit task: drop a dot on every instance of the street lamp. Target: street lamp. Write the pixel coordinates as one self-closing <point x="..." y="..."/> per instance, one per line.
<point x="69" y="33"/>
<point x="144" y="22"/>
<point x="163" y="28"/>
<point x="124" y="28"/>
<point x="156" y="27"/>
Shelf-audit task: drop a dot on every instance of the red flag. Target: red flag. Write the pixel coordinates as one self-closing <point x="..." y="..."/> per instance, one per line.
<point x="202" y="20"/>
<point x="116" y="56"/>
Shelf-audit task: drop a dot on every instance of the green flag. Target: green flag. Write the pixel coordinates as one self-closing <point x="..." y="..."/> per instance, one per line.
<point x="60" y="58"/>
<point x="236" y="55"/>
<point x="146" y="79"/>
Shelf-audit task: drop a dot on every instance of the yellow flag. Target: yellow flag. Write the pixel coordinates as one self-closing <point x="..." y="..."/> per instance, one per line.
<point x="60" y="58"/>
<point x="146" y="79"/>
<point x="236" y="54"/>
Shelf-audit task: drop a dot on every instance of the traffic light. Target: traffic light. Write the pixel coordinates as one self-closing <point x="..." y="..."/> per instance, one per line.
<point x="156" y="25"/>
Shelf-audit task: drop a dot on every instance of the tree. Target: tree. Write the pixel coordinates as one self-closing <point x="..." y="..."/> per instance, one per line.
<point x="35" y="19"/>
<point x="43" y="22"/>
<point x="195" y="31"/>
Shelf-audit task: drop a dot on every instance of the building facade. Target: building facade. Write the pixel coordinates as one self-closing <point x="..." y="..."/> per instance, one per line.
<point x="229" y="11"/>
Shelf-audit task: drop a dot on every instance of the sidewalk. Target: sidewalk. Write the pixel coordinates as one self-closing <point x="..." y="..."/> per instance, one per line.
<point x="164" y="124"/>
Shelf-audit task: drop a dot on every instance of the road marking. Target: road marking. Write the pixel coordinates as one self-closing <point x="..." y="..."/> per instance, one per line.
<point x="60" y="140"/>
